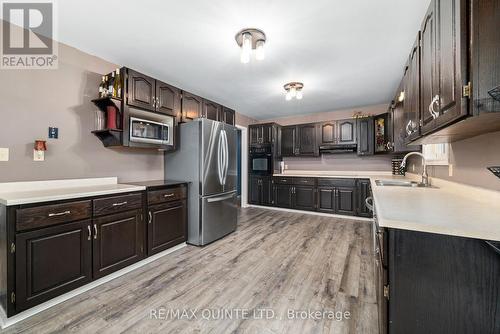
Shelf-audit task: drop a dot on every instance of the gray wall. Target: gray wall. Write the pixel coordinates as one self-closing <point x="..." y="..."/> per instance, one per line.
<point x="470" y="158"/>
<point x="341" y="162"/>
<point x="33" y="100"/>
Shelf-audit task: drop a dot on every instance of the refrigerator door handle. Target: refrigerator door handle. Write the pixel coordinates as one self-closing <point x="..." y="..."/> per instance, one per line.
<point x="220" y="198"/>
<point x="226" y="158"/>
<point x="219" y="159"/>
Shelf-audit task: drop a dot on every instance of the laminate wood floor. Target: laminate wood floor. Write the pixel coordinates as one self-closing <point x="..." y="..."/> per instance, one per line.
<point x="275" y="262"/>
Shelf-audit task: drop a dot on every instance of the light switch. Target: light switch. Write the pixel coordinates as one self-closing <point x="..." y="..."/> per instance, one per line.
<point x="4" y="154"/>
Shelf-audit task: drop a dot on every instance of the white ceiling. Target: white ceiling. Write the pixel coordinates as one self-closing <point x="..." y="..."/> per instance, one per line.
<point x="347" y="53"/>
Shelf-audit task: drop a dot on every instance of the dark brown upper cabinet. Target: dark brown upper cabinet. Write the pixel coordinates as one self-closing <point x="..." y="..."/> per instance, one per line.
<point x="307" y="139"/>
<point x="288" y="139"/>
<point x="228" y="116"/>
<point x="411" y="104"/>
<point x="211" y="110"/>
<point x="192" y="106"/>
<point x="329" y="133"/>
<point x="300" y="140"/>
<point x="168" y="99"/>
<point x="366" y="141"/>
<point x="150" y="94"/>
<point x="262" y="134"/>
<point x="338" y="132"/>
<point x="141" y="90"/>
<point x="444" y="61"/>
<point x="346" y="131"/>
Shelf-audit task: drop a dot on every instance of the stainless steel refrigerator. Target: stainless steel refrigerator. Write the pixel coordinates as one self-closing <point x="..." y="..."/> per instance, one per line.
<point x="207" y="158"/>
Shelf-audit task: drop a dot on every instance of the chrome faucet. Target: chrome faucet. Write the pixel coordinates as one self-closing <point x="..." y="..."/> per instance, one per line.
<point x="425" y="177"/>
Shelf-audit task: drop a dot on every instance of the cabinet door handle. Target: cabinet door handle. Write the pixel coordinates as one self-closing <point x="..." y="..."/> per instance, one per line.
<point x="433" y="113"/>
<point x="95" y="231"/>
<point x="60" y="213"/>
<point x="90" y="233"/>
<point x="119" y="204"/>
<point x="150" y="217"/>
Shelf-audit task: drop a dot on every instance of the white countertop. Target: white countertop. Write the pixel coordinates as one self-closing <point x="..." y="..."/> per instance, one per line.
<point x="451" y="208"/>
<point x="16" y="193"/>
<point x="334" y="174"/>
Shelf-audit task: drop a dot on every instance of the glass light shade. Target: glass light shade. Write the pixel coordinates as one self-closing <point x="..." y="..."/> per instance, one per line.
<point x="299" y="95"/>
<point x="245" y="56"/>
<point x="247" y="42"/>
<point x="288" y="96"/>
<point x="293" y="91"/>
<point x="259" y="52"/>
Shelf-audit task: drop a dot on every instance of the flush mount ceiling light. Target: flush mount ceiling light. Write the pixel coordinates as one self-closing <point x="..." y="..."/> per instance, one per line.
<point x="294" y="90"/>
<point x="251" y="39"/>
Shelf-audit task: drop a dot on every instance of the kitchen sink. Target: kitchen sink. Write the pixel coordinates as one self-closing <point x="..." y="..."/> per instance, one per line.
<point x="398" y="183"/>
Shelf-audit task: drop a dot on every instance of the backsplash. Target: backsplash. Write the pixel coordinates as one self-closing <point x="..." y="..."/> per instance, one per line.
<point x="470" y="158"/>
<point x="340" y="162"/>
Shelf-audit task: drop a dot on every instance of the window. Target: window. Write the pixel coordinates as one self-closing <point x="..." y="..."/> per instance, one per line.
<point x="437" y="154"/>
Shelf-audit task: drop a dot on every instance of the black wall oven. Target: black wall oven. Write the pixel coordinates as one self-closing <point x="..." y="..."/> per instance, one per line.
<point x="261" y="160"/>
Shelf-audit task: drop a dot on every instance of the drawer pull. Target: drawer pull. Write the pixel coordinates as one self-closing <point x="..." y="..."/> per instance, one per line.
<point x="59" y="213"/>
<point x="168" y="195"/>
<point x="119" y="204"/>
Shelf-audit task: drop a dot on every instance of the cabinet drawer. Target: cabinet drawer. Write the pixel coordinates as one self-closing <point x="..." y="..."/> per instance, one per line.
<point x="283" y="180"/>
<point x="337" y="182"/>
<point x="109" y="205"/>
<point x="47" y="215"/>
<point x="306" y="181"/>
<point x="166" y="195"/>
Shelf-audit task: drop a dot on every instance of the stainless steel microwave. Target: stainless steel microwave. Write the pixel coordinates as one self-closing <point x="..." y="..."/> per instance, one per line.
<point x="151" y="132"/>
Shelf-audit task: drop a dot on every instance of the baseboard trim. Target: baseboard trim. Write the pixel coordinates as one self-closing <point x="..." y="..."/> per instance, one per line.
<point x="311" y="213"/>
<point x="6" y="322"/>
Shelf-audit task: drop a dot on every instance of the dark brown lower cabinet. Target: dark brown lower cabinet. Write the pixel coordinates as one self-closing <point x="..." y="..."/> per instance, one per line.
<point x="326" y="199"/>
<point x="337" y="196"/>
<point x="345" y="201"/>
<point x="260" y="190"/>
<point x="304" y="198"/>
<point x="364" y="191"/>
<point x="442" y="284"/>
<point x="166" y="226"/>
<point x="118" y="241"/>
<point x="51" y="261"/>
<point x="283" y="195"/>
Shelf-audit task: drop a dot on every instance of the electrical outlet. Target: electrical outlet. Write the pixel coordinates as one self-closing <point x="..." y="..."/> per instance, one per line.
<point x="38" y="155"/>
<point x="450" y="170"/>
<point x="286" y="166"/>
<point x="4" y="154"/>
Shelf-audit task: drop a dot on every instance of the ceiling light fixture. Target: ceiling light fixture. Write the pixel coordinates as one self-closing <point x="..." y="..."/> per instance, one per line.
<point x="251" y="39"/>
<point x="293" y="90"/>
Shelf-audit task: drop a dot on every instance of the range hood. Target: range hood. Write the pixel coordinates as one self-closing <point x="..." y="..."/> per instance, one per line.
<point x="338" y="149"/>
